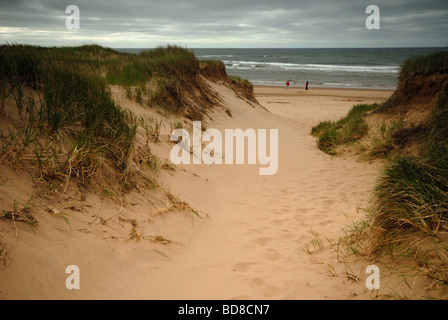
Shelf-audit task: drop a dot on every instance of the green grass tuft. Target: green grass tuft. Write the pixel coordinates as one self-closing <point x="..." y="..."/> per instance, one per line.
<point x="434" y="63"/>
<point x="331" y="134"/>
<point x="57" y="93"/>
<point x="413" y="190"/>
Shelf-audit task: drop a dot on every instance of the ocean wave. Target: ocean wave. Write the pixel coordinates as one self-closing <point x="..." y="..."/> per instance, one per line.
<point x="244" y="65"/>
<point x="216" y="56"/>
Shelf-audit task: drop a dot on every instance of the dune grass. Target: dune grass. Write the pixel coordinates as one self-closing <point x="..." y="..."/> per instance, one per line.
<point x="211" y="62"/>
<point x="434" y="63"/>
<point x="412" y="193"/>
<point x="65" y="122"/>
<point x="69" y="125"/>
<point x="407" y="220"/>
<point x="242" y="81"/>
<point x="172" y="61"/>
<point x="331" y="134"/>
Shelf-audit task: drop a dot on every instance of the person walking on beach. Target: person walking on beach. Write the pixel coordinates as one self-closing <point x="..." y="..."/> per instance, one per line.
<point x="287" y="84"/>
<point x="306" y="86"/>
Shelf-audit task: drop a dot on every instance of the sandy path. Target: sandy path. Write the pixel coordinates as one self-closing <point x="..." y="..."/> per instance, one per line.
<point x="254" y="245"/>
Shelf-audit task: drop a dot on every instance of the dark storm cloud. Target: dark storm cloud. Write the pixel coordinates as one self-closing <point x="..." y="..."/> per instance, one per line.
<point x="232" y="23"/>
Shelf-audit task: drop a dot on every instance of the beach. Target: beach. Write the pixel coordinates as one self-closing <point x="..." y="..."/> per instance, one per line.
<point x="258" y="237"/>
<point x="251" y="153"/>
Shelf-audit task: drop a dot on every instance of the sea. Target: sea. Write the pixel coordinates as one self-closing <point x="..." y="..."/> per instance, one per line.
<point x="373" y="68"/>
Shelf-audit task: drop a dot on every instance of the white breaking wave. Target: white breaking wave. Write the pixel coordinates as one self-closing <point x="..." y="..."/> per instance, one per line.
<point x="217" y="56"/>
<point x="245" y="65"/>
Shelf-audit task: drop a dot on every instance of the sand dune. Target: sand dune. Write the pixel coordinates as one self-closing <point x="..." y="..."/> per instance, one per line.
<point x="254" y="246"/>
<point x="261" y="237"/>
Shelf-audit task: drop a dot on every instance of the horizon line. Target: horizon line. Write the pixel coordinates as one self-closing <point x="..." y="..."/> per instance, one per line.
<point x="192" y="47"/>
<point x="404" y="47"/>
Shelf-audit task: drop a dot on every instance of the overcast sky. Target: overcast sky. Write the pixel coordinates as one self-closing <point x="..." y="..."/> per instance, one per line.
<point x="226" y="23"/>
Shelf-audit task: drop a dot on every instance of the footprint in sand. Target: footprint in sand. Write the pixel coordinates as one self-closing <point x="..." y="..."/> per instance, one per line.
<point x="256" y="230"/>
<point x="324" y="223"/>
<point x="328" y="202"/>
<point x="303" y="210"/>
<point x="301" y="238"/>
<point x="263" y="241"/>
<point x="238" y="203"/>
<point x="280" y="211"/>
<point x="302" y="224"/>
<point x="286" y="234"/>
<point x="266" y="290"/>
<point x="243" y="266"/>
<point x="256" y="282"/>
<point x="272" y="255"/>
<point x="279" y="222"/>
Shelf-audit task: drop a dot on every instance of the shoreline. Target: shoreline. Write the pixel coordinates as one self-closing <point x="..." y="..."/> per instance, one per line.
<point x="323" y="93"/>
<point x="320" y="88"/>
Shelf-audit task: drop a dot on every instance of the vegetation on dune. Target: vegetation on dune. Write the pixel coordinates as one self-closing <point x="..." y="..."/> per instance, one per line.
<point x="60" y="122"/>
<point x="243" y="81"/>
<point x="172" y="61"/>
<point x="216" y="71"/>
<point x="413" y="191"/>
<point x="408" y="217"/>
<point x="421" y="79"/>
<point x="350" y="128"/>
<point x="434" y="63"/>
<point x="59" y="97"/>
<point x="65" y="122"/>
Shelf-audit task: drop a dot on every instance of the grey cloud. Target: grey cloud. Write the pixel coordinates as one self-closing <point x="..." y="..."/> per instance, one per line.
<point x="232" y="23"/>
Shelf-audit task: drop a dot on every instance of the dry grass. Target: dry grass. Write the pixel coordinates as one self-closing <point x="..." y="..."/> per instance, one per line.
<point x="60" y="123"/>
<point x="406" y="229"/>
<point x="15" y="215"/>
<point x="23" y="214"/>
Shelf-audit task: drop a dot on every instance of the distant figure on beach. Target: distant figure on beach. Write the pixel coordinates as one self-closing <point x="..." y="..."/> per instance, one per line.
<point x="287" y="84"/>
<point x="306" y="86"/>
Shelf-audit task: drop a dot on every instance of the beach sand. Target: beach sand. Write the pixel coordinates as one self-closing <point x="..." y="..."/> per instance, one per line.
<point x="261" y="237"/>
